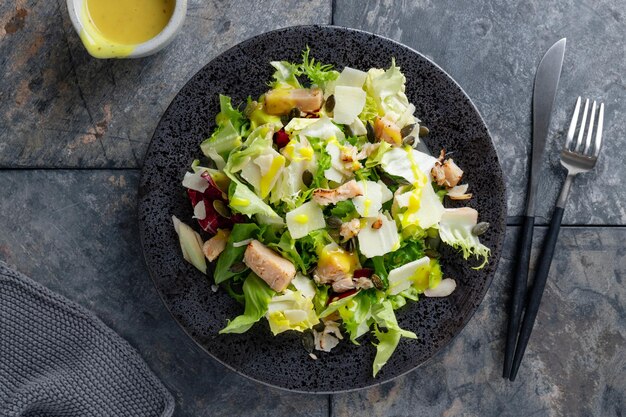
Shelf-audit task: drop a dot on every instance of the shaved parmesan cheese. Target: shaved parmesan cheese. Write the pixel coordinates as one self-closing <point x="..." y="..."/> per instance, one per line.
<point x="357" y="127"/>
<point x="332" y="174"/>
<point x="386" y="192"/>
<point x="349" y="102"/>
<point x="377" y="242"/>
<point x="444" y="289"/>
<point x="252" y="174"/>
<point x="194" y="181"/>
<point x="199" y="210"/>
<point x="304" y="285"/>
<point x="396" y="162"/>
<point x="337" y="171"/>
<point x="351" y="77"/>
<point x="400" y="278"/>
<point x="304" y="219"/>
<point x="370" y="203"/>
<point x="323" y="129"/>
<point x="423" y="207"/>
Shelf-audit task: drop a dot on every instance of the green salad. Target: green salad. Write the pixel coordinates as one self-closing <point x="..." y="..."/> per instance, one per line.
<point x="318" y="213"/>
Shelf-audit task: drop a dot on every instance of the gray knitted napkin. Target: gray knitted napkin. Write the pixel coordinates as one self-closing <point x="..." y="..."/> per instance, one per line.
<point x="59" y="360"/>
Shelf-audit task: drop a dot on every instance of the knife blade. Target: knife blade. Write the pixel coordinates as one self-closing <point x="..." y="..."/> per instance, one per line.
<point x="544" y="93"/>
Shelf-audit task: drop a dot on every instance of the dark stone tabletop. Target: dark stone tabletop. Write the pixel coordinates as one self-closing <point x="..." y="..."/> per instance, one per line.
<point x="73" y="132"/>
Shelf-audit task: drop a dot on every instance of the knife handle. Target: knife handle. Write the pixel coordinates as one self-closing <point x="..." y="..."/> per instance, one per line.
<point x="519" y="291"/>
<point x="539" y="284"/>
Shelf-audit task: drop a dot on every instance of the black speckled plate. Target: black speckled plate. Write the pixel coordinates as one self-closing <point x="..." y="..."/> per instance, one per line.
<point x="281" y="361"/>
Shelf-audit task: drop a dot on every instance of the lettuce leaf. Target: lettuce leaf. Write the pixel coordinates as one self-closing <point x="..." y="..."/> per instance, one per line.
<point x="387" y="89"/>
<point x="286" y="246"/>
<point x="388" y="333"/>
<point x="243" y="200"/>
<point x="257" y="298"/>
<point x="231" y="124"/>
<point x="319" y="74"/>
<point x="455" y="229"/>
<point x="229" y="114"/>
<point x="286" y="74"/>
<point x="291" y="311"/>
<point x="345" y="210"/>
<point x="232" y="255"/>
<point x="356" y="315"/>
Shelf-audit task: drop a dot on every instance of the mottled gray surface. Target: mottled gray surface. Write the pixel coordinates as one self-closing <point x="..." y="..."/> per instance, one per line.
<point x="62" y="108"/>
<point x="76" y="233"/>
<point x="492" y="49"/>
<point x="575" y="362"/>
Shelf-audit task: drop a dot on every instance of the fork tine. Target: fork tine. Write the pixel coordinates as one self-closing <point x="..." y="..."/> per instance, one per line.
<point x="590" y="130"/>
<point x="581" y="132"/>
<point x="596" y="150"/>
<point x="572" y="126"/>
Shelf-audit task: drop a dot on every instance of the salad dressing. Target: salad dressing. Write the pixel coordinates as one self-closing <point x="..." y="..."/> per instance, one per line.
<point x="113" y="28"/>
<point x="239" y="202"/>
<point x="333" y="256"/>
<point x="267" y="180"/>
<point x="301" y="218"/>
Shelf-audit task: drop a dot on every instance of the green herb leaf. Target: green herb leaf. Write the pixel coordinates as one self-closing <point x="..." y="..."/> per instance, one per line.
<point x="319" y="74"/>
<point x="257" y="296"/>
<point x="231" y="255"/>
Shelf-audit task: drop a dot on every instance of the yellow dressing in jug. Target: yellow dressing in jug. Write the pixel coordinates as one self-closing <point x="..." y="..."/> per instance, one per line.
<point x="112" y="28"/>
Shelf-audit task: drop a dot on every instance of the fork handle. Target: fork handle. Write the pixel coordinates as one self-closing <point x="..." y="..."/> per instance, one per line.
<point x="541" y="276"/>
<point x="519" y="291"/>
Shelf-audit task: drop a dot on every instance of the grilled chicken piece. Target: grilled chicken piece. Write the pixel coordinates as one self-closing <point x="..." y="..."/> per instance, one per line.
<point x="453" y="172"/>
<point x="364" y="283"/>
<point x="343" y="285"/>
<point x="345" y="191"/>
<point x="213" y="247"/>
<point x="280" y="101"/>
<point x="269" y="265"/>
<point x="350" y="229"/>
<point x="388" y="131"/>
<point x="446" y="173"/>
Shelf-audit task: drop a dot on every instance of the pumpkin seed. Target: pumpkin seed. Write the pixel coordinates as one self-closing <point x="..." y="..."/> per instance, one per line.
<point x="371" y="137"/>
<point x="377" y="281"/>
<point x="307" y="178"/>
<point x="431" y="253"/>
<point x="308" y="341"/>
<point x="238" y="267"/>
<point x="334" y="222"/>
<point x="423" y="131"/>
<point x="433" y="242"/>
<point x="330" y="103"/>
<point x="406" y="130"/>
<point x="350" y="245"/>
<point x="319" y="327"/>
<point x="293" y="113"/>
<point x="480" y="228"/>
<point x="408" y="141"/>
<point x="221" y="208"/>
